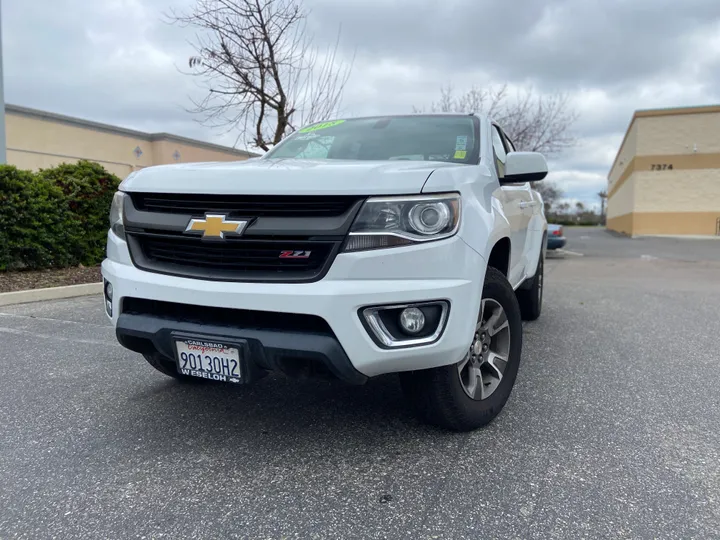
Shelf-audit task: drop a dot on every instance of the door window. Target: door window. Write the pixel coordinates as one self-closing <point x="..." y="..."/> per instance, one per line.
<point x="500" y="154"/>
<point x="508" y="143"/>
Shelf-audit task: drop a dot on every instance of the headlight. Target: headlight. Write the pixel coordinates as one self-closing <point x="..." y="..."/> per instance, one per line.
<point x="397" y="221"/>
<point x="116" y="215"/>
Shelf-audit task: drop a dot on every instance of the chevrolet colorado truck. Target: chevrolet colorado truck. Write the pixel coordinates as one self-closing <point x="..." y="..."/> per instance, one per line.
<point x="354" y="248"/>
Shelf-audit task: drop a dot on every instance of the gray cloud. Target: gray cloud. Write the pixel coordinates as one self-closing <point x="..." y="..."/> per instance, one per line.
<point x="116" y="61"/>
<point x="107" y="61"/>
<point x="571" y="43"/>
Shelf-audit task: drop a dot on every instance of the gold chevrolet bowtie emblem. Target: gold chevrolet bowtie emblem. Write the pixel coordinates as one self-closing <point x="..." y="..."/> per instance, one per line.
<point x="215" y="226"/>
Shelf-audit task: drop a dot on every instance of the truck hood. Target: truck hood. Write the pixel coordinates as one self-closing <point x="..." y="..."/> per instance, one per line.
<point x="286" y="176"/>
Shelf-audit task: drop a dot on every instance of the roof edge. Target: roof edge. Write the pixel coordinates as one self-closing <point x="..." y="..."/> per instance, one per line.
<point x="116" y="130"/>
<point x="671" y="111"/>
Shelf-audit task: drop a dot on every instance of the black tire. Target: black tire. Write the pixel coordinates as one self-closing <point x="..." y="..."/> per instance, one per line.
<point x="167" y="366"/>
<point x="530" y="299"/>
<point x="437" y="394"/>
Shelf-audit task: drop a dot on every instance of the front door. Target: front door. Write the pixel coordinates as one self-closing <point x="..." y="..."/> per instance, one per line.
<point x="516" y="202"/>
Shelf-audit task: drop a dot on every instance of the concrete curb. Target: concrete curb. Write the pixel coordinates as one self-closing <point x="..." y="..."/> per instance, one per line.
<point x="52" y="293"/>
<point x="679" y="236"/>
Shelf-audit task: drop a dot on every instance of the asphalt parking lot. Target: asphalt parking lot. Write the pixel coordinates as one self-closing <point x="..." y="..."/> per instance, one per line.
<point x="613" y="429"/>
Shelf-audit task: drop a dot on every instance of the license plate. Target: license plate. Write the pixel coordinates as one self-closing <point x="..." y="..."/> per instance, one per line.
<point x="208" y="360"/>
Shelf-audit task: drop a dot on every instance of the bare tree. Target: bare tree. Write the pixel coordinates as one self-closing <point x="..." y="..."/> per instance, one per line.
<point x="550" y="193"/>
<point x="263" y="76"/>
<point x="534" y="122"/>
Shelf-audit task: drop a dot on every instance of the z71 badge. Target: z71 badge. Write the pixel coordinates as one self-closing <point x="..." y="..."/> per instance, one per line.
<point x="295" y="254"/>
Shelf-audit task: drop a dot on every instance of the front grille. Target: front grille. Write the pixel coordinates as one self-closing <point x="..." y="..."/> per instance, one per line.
<point x="303" y="225"/>
<point x="244" y="205"/>
<point x="243" y="259"/>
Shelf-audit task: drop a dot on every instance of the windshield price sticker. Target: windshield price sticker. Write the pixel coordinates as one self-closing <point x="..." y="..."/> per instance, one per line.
<point x="324" y="125"/>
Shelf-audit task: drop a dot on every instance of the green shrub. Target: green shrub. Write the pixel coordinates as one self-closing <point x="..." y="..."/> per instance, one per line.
<point x="35" y="225"/>
<point x="571" y="223"/>
<point x="88" y="189"/>
<point x="55" y="218"/>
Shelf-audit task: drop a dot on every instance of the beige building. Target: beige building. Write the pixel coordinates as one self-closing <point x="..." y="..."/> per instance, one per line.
<point x="38" y="139"/>
<point x="666" y="177"/>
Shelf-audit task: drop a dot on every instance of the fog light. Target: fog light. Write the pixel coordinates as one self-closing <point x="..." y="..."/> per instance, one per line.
<point x="108" y="290"/>
<point x="412" y="320"/>
<point x="405" y="325"/>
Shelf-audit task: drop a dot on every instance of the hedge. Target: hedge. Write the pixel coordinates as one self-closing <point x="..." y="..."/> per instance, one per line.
<point x="571" y="223"/>
<point x="56" y="217"/>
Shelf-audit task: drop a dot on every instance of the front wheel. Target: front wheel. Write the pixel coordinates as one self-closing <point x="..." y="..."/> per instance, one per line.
<point x="469" y="394"/>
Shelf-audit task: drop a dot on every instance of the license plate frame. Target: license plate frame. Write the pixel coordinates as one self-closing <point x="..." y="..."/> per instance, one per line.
<point x="231" y="349"/>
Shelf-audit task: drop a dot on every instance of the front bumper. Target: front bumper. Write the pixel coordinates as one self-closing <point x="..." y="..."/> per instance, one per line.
<point x="446" y="270"/>
<point x="269" y="349"/>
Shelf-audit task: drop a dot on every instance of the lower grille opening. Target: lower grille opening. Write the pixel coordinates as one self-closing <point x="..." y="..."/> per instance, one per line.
<point x="227" y="316"/>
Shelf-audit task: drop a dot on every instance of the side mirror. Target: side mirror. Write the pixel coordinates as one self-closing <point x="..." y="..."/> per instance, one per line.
<point x="521" y="167"/>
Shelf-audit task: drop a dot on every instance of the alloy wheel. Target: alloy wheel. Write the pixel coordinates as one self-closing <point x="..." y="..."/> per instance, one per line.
<point x="483" y="367"/>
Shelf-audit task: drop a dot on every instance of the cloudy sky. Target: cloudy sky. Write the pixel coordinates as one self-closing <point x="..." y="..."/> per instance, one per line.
<point x="117" y="61"/>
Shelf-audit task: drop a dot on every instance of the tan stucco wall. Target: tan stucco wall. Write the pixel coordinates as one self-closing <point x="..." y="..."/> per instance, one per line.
<point x="677" y="202"/>
<point x="163" y="153"/>
<point x="677" y="191"/>
<point x="666" y="223"/>
<point x="621" y="201"/>
<point x="681" y="200"/>
<point x="676" y="134"/>
<point x="622" y="224"/>
<point x="35" y="161"/>
<point x="627" y="152"/>
<point x="36" y="143"/>
<point x="675" y="223"/>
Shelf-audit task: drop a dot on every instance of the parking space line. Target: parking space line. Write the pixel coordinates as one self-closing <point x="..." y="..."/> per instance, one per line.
<point x="51" y="319"/>
<point x="17" y="332"/>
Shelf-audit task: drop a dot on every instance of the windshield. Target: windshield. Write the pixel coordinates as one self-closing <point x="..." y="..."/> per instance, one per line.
<point x="452" y="139"/>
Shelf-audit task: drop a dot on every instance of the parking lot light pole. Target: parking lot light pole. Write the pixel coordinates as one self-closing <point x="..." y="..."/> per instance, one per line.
<point x="3" y="152"/>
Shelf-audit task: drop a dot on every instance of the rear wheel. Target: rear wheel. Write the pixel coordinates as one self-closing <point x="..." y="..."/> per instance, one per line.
<point x="469" y="394"/>
<point x="530" y="299"/>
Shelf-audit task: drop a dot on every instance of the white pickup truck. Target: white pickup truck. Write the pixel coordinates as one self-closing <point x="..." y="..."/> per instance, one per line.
<point x="354" y="248"/>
